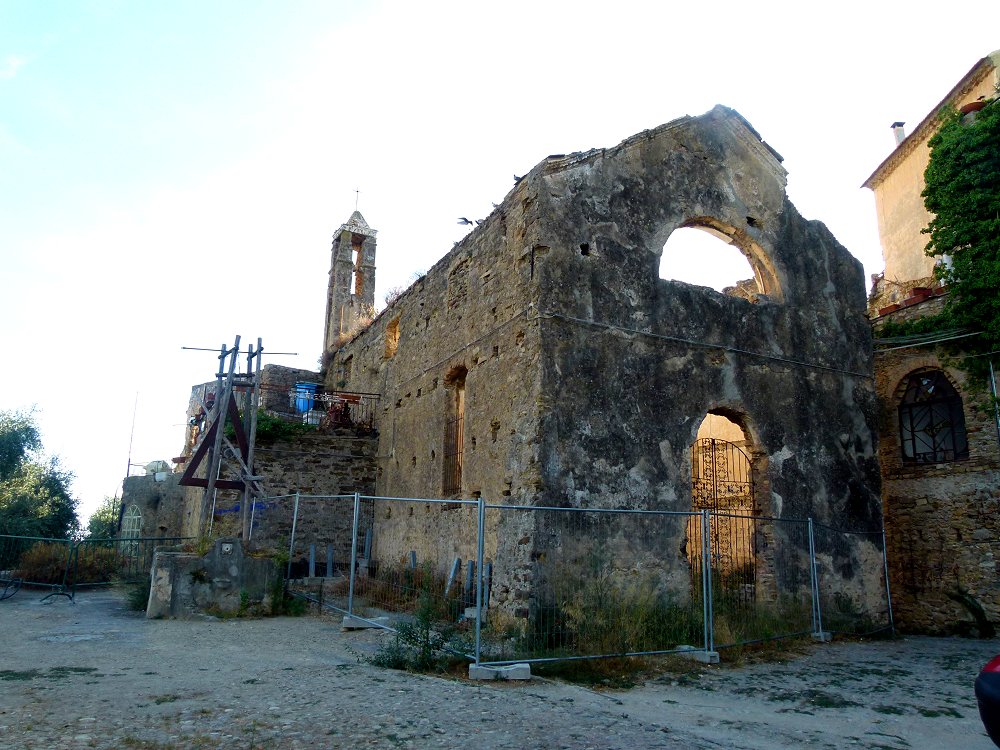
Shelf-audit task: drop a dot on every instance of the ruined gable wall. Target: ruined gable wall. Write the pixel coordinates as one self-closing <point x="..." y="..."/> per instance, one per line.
<point x="622" y="408"/>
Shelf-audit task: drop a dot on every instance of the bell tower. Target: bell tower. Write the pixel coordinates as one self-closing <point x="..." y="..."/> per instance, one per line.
<point x="350" y="296"/>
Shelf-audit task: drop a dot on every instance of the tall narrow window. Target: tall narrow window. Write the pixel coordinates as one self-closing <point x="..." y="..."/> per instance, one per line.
<point x="357" y="277"/>
<point x="391" y="338"/>
<point x="131" y="530"/>
<point x="931" y="420"/>
<point x="454" y="437"/>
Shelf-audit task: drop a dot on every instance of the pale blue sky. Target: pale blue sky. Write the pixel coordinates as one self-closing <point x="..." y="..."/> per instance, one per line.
<point x="152" y="153"/>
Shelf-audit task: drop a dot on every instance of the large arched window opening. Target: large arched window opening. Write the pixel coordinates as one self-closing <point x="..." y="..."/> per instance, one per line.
<point x="931" y="420"/>
<point x="707" y="252"/>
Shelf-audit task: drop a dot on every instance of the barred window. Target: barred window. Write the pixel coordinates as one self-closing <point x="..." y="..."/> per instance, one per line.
<point x="931" y="420"/>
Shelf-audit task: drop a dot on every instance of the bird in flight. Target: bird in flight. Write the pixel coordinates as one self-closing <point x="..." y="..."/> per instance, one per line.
<point x="463" y="220"/>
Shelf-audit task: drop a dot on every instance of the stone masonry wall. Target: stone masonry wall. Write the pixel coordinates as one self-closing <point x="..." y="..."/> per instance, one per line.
<point x="161" y="504"/>
<point x="276" y="382"/>
<point x="588" y="376"/>
<point x="633" y="363"/>
<point x="472" y="311"/>
<point x="313" y="464"/>
<point x="942" y="520"/>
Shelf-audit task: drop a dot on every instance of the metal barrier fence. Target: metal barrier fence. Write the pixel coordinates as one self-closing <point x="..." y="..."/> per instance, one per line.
<point x="63" y="565"/>
<point x="508" y="583"/>
<point x="852" y="610"/>
<point x="602" y="586"/>
<point x="766" y="590"/>
<point x="314" y="531"/>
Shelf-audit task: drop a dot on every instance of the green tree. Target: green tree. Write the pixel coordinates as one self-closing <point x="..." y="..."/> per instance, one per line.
<point x="34" y="492"/>
<point x="962" y="192"/>
<point x="103" y="524"/>
<point x="18" y="439"/>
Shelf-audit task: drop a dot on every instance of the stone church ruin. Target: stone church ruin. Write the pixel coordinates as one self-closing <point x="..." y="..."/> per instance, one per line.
<point x="543" y="362"/>
<point x="636" y="430"/>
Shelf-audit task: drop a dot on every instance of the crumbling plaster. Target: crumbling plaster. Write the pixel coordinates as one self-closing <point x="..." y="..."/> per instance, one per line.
<point x="635" y="362"/>
<point x="588" y="376"/>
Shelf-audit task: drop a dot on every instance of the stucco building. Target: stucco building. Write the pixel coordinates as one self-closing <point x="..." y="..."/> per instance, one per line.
<point x="939" y="453"/>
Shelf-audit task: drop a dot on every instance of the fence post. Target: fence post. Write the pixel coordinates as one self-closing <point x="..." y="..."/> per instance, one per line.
<point x="354" y="553"/>
<point x="479" y="576"/>
<point x="817" y="614"/>
<point x="706" y="580"/>
<point x="291" y="542"/>
<point x="74" y="554"/>
<point x="888" y="593"/>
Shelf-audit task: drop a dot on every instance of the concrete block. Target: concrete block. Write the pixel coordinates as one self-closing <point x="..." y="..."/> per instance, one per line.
<point x="470" y="613"/>
<point x="507" y="672"/>
<point x="351" y="622"/>
<point x="705" y="657"/>
<point x="699" y="655"/>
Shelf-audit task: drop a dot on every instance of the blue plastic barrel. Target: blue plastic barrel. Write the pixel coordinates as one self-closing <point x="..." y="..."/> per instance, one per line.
<point x="304" y="396"/>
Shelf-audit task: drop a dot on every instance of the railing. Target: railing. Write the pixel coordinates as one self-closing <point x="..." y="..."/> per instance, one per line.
<point x="63" y="565"/>
<point x="328" y="409"/>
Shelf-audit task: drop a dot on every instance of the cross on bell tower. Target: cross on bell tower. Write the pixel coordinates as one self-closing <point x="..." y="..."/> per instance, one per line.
<point x="350" y="297"/>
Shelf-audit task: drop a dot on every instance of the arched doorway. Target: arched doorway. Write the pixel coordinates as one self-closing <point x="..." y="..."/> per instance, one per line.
<point x="722" y="483"/>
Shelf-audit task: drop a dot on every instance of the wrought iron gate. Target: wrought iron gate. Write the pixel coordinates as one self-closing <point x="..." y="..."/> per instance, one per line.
<point x="722" y="483"/>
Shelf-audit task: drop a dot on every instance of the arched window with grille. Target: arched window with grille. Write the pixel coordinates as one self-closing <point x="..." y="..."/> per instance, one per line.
<point x="931" y="420"/>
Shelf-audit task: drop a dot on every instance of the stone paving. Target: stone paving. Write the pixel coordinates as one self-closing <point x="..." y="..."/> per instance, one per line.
<point x="92" y="674"/>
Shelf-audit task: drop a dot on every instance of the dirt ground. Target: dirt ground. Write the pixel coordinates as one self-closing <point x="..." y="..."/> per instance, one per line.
<point x="92" y="674"/>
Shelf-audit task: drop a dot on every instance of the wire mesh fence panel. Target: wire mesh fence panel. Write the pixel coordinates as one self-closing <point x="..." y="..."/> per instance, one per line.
<point x="761" y="583"/>
<point x="320" y="550"/>
<point x="35" y="561"/>
<point x="574" y="583"/>
<point x="850" y="573"/>
<point x="418" y="564"/>
<point x="309" y="536"/>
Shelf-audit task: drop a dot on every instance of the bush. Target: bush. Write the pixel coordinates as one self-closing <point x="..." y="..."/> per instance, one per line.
<point x="44" y="562"/>
<point x="610" y="613"/>
<point x="283" y="603"/>
<point x="95" y="565"/>
<point x="404" y="589"/>
<point x="137" y="595"/>
<point x="418" y="645"/>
